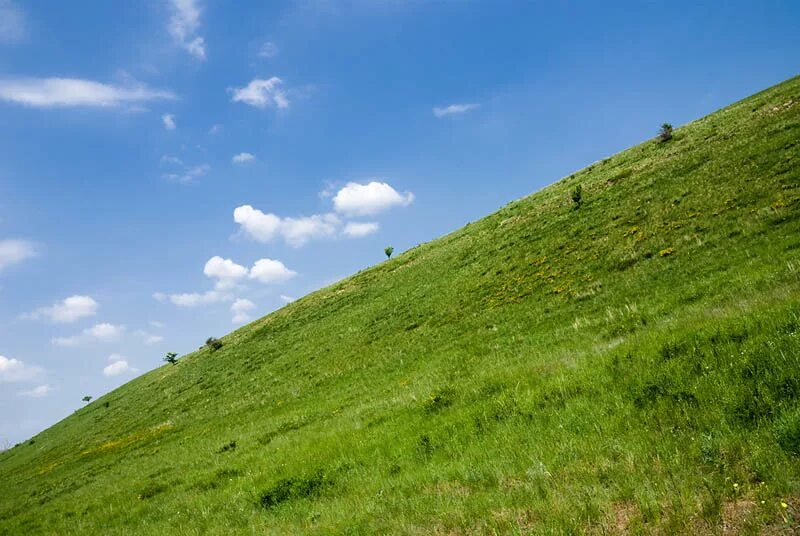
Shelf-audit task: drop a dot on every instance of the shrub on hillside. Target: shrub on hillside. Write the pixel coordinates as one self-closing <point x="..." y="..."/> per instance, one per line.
<point x="665" y="134"/>
<point x="389" y="250"/>
<point x="577" y="196"/>
<point x="171" y="358"/>
<point x="213" y="344"/>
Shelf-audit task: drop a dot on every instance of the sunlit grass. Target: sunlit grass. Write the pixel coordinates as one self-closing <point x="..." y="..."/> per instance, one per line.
<point x="629" y="363"/>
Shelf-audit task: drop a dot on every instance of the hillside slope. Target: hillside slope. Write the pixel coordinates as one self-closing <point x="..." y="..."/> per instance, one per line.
<point x="629" y="365"/>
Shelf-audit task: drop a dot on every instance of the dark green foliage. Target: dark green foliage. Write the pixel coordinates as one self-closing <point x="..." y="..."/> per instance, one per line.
<point x="295" y="488"/>
<point x="213" y="344"/>
<point x="788" y="431"/>
<point x="440" y="399"/>
<point x="577" y="196"/>
<point x="228" y="447"/>
<point x="388" y="250"/>
<point x="172" y="357"/>
<point x="151" y="490"/>
<point x="87" y="399"/>
<point x="665" y="133"/>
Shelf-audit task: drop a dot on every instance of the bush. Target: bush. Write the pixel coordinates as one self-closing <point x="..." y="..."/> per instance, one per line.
<point x="577" y="196"/>
<point x="665" y="134"/>
<point x="213" y="344"/>
<point x="172" y="357"/>
<point x="389" y="250"/>
<point x="87" y="399"/>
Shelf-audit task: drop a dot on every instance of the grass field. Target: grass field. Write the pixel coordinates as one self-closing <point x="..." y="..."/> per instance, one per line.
<point x="628" y="366"/>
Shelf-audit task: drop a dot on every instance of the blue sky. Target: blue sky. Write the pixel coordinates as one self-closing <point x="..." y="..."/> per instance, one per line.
<point x="170" y="169"/>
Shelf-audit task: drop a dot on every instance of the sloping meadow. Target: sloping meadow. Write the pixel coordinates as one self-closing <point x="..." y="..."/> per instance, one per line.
<point x="627" y="363"/>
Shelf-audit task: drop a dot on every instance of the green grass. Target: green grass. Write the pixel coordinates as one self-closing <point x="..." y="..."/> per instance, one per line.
<point x="630" y="365"/>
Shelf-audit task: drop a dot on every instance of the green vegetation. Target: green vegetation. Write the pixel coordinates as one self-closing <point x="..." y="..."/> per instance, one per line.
<point x="577" y="196"/>
<point x="213" y="344"/>
<point x="632" y="366"/>
<point x="87" y="399"/>
<point x="388" y="250"/>
<point x="665" y="134"/>
<point x="171" y="358"/>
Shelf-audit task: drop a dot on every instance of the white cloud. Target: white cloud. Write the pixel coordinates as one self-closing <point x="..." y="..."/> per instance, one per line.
<point x="169" y="121"/>
<point x="156" y="324"/>
<point x="358" y="229"/>
<point x="52" y="92"/>
<point x="298" y="231"/>
<point x="14" y="370"/>
<point x="149" y="338"/>
<point x="69" y="310"/>
<point x="103" y="332"/>
<point x="261" y="93"/>
<point x="193" y="299"/>
<point x="295" y="231"/>
<point x="12" y="23"/>
<point x="37" y="392"/>
<point x="189" y="174"/>
<point x="183" y="26"/>
<point x="225" y="271"/>
<point x="454" y="109"/>
<point x="243" y="158"/>
<point x="368" y="199"/>
<point x="241" y="309"/>
<point x="287" y="299"/>
<point x="268" y="50"/>
<point x="271" y="271"/>
<point x="119" y="365"/>
<point x="15" y="251"/>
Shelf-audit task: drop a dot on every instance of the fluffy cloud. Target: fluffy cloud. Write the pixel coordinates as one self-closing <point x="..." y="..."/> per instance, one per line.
<point x="454" y="109"/>
<point x="183" y="26"/>
<point x="262" y="93"/>
<point x="241" y="310"/>
<point x="12" y="23"/>
<point x="119" y="365"/>
<point x="286" y="299"/>
<point x="37" y="392"/>
<point x="15" y="251"/>
<point x="52" y="92"/>
<point x="14" y="370"/>
<point x="368" y="199"/>
<point x="104" y="332"/>
<point x="295" y="231"/>
<point x="225" y="271"/>
<point x="268" y="50"/>
<point x="69" y="310"/>
<point x="243" y="158"/>
<point x="270" y="271"/>
<point x="169" y="121"/>
<point x="357" y="229"/>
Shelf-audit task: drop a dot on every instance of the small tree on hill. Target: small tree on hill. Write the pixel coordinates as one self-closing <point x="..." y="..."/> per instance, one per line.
<point x="577" y="196"/>
<point x="389" y="250"/>
<point x="213" y="344"/>
<point x="171" y="357"/>
<point x="665" y="134"/>
<point x="87" y="399"/>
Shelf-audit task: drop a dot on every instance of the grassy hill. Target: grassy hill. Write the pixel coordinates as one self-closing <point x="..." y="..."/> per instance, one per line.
<point x="631" y="365"/>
